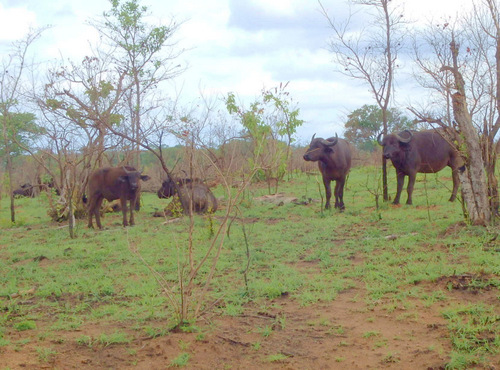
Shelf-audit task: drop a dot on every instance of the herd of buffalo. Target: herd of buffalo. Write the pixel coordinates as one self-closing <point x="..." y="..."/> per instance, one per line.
<point x="410" y="153"/>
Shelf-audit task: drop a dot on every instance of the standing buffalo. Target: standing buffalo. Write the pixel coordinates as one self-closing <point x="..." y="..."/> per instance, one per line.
<point x="114" y="183"/>
<point x="192" y="193"/>
<point x="334" y="162"/>
<point x="425" y="152"/>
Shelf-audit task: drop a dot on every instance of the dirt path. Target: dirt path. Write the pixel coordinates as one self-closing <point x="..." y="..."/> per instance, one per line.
<point x="344" y="333"/>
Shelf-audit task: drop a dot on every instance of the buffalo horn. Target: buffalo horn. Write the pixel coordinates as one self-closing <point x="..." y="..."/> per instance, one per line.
<point x="379" y="139"/>
<point x="403" y="140"/>
<point x="330" y="143"/>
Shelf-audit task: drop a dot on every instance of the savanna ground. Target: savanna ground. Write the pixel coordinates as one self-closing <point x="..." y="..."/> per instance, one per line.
<point x="398" y="287"/>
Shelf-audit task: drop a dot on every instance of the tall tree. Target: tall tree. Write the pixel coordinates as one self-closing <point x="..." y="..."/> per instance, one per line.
<point x="364" y="124"/>
<point x="460" y="62"/>
<point x="143" y="53"/>
<point x="14" y="67"/>
<point x="370" y="54"/>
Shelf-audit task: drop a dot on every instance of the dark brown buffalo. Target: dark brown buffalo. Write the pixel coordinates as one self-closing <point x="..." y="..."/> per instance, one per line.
<point x="334" y="161"/>
<point x="114" y="183"/>
<point x="425" y="152"/>
<point x="167" y="189"/>
<point x="193" y="193"/>
<point x="26" y="190"/>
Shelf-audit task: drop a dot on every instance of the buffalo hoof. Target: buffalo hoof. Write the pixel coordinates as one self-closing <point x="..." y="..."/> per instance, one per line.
<point x="340" y="207"/>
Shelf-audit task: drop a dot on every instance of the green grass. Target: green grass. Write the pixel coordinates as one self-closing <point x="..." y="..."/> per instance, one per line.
<point x="181" y="360"/>
<point x="474" y="332"/>
<point x="302" y="252"/>
<point x="278" y="357"/>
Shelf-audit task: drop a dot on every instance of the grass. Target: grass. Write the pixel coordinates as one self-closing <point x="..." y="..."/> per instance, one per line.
<point x="278" y="357"/>
<point x="181" y="360"/>
<point x="300" y="252"/>
<point x="46" y="354"/>
<point x="474" y="332"/>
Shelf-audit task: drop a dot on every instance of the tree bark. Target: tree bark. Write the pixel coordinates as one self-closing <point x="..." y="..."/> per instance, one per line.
<point x="10" y="171"/>
<point x="473" y="181"/>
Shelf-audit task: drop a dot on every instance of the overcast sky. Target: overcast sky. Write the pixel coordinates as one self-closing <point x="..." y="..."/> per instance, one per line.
<point x="235" y="46"/>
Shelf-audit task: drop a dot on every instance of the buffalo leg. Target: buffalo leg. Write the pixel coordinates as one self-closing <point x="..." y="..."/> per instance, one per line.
<point x="339" y="194"/>
<point x="401" y="180"/>
<point x="97" y="212"/>
<point x="91" y="210"/>
<point x="132" y="208"/>
<point x="123" y="202"/>
<point x="411" y="184"/>
<point x="328" y="192"/>
<point x="456" y="182"/>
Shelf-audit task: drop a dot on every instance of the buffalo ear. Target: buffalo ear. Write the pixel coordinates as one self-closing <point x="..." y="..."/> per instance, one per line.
<point x="145" y="177"/>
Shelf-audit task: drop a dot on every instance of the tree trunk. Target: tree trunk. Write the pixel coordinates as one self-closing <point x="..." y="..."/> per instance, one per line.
<point x="11" y="188"/>
<point x="384" y="160"/>
<point x="473" y="181"/>
<point x="9" y="166"/>
<point x="384" y="179"/>
<point x="490" y="159"/>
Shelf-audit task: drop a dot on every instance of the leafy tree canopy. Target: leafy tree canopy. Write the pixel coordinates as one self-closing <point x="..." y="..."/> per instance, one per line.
<point x="364" y="124"/>
<point x="21" y="130"/>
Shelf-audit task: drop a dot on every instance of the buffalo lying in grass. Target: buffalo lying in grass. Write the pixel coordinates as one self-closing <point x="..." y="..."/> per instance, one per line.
<point x="193" y="195"/>
<point x="26" y="190"/>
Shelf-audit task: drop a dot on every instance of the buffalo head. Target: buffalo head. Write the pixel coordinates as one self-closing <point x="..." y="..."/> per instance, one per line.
<point x="392" y="143"/>
<point x="167" y="189"/>
<point x="132" y="177"/>
<point x="319" y="147"/>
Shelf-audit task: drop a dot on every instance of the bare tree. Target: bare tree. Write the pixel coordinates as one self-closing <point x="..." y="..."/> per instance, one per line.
<point x="88" y="95"/>
<point x="370" y="54"/>
<point x="461" y="64"/>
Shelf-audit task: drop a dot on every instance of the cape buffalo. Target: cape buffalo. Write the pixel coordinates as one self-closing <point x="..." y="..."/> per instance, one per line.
<point x="114" y="183"/>
<point x="26" y="190"/>
<point x="425" y="152"/>
<point x="191" y="191"/>
<point x="168" y="188"/>
<point x="334" y="161"/>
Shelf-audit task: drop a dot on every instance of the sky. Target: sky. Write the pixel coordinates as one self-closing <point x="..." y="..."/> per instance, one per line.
<point x="239" y="46"/>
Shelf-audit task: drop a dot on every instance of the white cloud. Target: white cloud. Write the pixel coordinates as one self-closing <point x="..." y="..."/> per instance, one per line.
<point x="231" y="45"/>
<point x="15" y="23"/>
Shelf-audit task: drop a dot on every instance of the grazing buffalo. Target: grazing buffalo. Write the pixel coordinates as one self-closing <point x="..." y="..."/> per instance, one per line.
<point x="26" y="190"/>
<point x="425" y="152"/>
<point x="192" y="193"/>
<point x="334" y="161"/>
<point x="114" y="183"/>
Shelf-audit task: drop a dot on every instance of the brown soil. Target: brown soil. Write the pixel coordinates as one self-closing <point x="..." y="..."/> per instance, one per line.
<point x="343" y="334"/>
